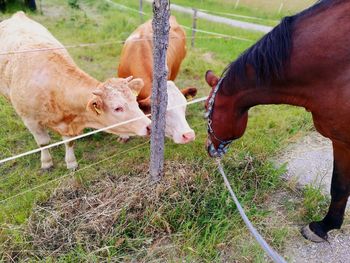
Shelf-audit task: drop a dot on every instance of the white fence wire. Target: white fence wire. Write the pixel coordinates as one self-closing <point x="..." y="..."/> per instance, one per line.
<point x="91" y="133"/>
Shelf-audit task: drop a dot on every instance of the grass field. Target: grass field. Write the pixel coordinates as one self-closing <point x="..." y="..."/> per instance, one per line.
<point x="266" y="12"/>
<point x="107" y="211"/>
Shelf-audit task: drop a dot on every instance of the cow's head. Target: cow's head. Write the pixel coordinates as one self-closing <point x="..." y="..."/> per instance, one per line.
<point x="176" y="127"/>
<point x="114" y="101"/>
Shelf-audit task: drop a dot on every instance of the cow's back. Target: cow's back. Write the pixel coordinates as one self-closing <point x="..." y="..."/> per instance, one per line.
<point x="137" y="59"/>
<point x="176" y="49"/>
<point x="19" y="34"/>
<point x="137" y="55"/>
<point x="41" y="84"/>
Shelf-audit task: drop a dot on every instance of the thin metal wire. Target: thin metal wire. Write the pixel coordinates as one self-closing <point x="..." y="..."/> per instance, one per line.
<point x="91" y="133"/>
<point x="74" y="172"/>
<point x="186" y="27"/>
<point x="239" y="16"/>
<point x="217" y="36"/>
<point x="137" y="147"/>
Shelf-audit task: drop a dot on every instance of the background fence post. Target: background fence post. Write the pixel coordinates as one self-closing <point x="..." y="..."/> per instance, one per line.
<point x="280" y="8"/>
<point x="161" y="27"/>
<point x="141" y="10"/>
<point x="194" y="26"/>
<point x="237" y="3"/>
<point x="41" y="7"/>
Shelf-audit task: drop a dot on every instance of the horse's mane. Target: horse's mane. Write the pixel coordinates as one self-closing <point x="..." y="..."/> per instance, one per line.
<point x="270" y="55"/>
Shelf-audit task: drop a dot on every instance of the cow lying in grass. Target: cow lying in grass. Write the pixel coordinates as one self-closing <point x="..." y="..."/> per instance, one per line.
<point x="138" y="48"/>
<point x="48" y="90"/>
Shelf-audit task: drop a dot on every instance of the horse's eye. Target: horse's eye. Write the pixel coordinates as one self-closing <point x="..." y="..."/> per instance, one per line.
<point x="119" y="109"/>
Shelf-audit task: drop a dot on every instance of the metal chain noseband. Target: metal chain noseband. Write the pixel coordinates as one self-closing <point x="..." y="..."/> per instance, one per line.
<point x="223" y="146"/>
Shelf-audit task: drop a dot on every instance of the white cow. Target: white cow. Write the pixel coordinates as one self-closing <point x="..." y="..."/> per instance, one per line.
<point x="48" y="90"/>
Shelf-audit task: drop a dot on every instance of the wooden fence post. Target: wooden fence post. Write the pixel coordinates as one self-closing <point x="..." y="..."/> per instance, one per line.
<point x="237" y="3"/>
<point x="161" y="27"/>
<point x="194" y="26"/>
<point x="281" y="7"/>
<point x="141" y="10"/>
<point x="41" y="7"/>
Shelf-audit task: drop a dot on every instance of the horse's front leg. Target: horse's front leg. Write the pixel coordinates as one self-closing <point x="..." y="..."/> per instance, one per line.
<point x="340" y="189"/>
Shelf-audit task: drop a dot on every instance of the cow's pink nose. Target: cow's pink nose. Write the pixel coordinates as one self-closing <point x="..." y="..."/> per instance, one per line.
<point x="188" y="136"/>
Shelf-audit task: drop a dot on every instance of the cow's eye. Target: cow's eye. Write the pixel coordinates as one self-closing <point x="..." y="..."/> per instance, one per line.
<point x="119" y="109"/>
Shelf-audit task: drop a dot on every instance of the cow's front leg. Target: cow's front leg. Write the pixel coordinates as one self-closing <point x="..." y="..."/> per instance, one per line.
<point x="42" y="138"/>
<point x="340" y="189"/>
<point x="70" y="156"/>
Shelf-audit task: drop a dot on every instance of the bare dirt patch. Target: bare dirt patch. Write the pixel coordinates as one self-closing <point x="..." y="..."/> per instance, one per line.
<point x="335" y="250"/>
<point x="309" y="161"/>
<point x="209" y="57"/>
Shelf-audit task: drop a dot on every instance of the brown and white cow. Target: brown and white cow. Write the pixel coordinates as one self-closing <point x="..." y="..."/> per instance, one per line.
<point x="48" y="90"/>
<point x="137" y="60"/>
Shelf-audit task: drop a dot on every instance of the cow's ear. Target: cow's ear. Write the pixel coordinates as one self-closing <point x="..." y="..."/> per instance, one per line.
<point x="211" y="79"/>
<point x="96" y="103"/>
<point x="189" y="92"/>
<point x="145" y="105"/>
<point x="136" y="85"/>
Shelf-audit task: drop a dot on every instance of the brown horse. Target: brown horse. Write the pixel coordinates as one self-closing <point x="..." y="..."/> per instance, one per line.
<point x="304" y="61"/>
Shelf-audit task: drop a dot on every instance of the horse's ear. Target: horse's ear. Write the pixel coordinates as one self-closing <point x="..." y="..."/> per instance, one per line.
<point x="211" y="79"/>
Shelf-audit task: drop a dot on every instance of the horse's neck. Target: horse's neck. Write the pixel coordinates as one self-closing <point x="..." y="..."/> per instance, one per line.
<point x="250" y="97"/>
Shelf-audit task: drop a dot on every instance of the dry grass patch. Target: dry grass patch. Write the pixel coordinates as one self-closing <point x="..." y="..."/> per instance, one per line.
<point x="106" y="210"/>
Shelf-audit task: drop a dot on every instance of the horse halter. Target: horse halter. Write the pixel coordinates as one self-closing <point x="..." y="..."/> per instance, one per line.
<point x="223" y="146"/>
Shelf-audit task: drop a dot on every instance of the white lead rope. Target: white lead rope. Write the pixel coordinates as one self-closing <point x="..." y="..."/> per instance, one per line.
<point x="272" y="253"/>
<point x="92" y="132"/>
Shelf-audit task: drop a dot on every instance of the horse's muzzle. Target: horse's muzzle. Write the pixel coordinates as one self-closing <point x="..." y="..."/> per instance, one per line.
<point x="213" y="152"/>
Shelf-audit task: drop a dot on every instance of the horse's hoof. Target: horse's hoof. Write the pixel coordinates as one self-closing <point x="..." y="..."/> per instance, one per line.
<point x="312" y="236"/>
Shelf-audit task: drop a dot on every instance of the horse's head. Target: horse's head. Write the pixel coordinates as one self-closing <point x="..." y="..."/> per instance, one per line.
<point x="227" y="121"/>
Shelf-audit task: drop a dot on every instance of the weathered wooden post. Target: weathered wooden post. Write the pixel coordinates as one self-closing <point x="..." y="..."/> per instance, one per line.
<point x="161" y="27"/>
<point x="194" y="26"/>
<point x="141" y="10"/>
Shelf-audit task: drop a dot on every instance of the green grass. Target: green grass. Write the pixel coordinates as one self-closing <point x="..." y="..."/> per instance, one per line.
<point x="191" y="211"/>
<point x="266" y="11"/>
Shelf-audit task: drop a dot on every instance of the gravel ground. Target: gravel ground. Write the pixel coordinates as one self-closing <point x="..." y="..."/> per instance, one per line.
<point x="310" y="161"/>
<point x="336" y="250"/>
